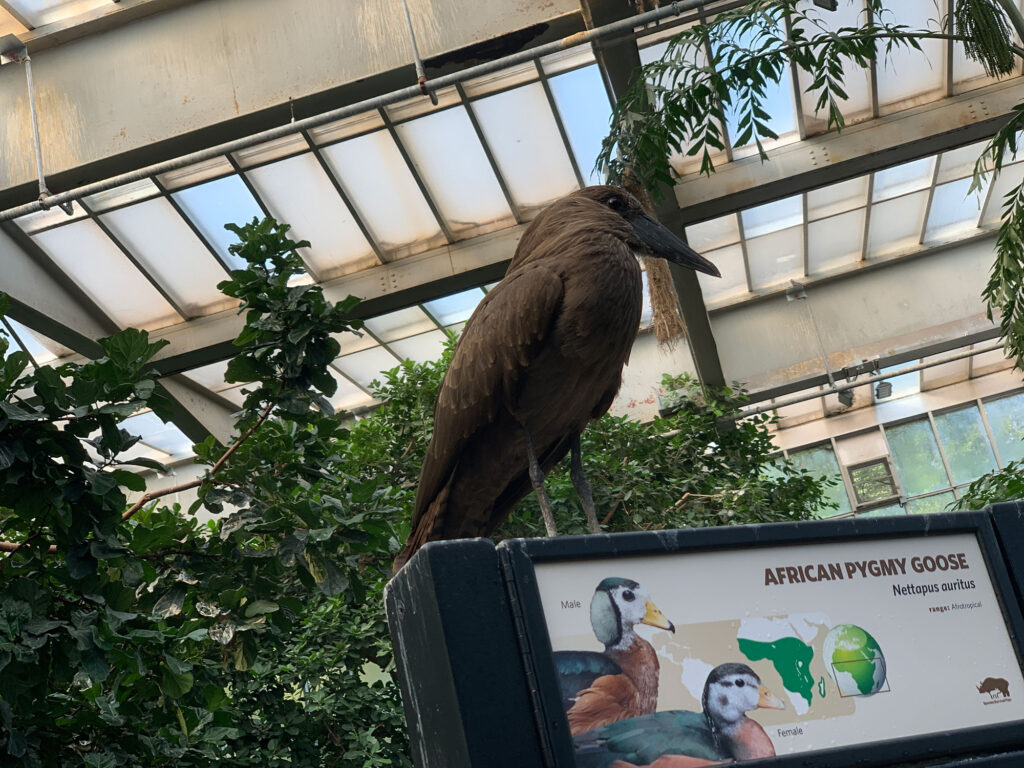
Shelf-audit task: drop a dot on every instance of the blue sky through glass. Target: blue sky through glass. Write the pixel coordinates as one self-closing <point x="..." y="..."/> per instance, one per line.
<point x="585" y="110"/>
<point x="216" y="203"/>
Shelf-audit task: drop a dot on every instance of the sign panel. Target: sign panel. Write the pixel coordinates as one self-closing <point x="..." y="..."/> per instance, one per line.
<point x="746" y="653"/>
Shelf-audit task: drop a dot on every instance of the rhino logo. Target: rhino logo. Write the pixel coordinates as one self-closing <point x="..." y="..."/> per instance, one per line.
<point x="993" y="686"/>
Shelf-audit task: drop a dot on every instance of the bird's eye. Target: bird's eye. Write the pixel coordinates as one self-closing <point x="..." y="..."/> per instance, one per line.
<point x="629" y="596"/>
<point x="617" y="204"/>
<point x="740" y="683"/>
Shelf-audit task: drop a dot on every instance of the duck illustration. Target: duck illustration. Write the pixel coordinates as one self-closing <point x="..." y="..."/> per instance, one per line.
<point x="684" y="739"/>
<point x="622" y="681"/>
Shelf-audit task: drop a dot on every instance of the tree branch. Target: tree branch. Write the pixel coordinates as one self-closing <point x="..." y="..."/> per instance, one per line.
<point x="153" y="495"/>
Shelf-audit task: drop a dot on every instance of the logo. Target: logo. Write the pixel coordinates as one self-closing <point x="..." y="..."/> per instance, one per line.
<point x="997" y="688"/>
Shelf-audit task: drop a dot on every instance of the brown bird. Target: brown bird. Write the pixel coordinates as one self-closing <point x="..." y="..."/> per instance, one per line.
<point x="541" y="356"/>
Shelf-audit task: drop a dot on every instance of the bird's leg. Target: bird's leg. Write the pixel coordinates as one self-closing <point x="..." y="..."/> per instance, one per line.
<point x="583" y="490"/>
<point x="537" y="478"/>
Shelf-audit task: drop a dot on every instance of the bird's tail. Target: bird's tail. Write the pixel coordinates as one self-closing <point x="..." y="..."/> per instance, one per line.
<point x="426" y="527"/>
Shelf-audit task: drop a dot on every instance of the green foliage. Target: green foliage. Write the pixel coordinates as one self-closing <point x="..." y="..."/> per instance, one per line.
<point x="678" y="104"/>
<point x="987" y="35"/>
<point x="1006" y="484"/>
<point x="147" y="639"/>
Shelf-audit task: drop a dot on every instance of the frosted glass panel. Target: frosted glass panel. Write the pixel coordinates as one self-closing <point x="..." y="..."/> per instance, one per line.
<point x="715" y="233"/>
<point x="523" y="136"/>
<point x="268" y="151"/>
<point x="123" y="195"/>
<point x="363" y="367"/>
<point x="896" y="224"/>
<point x="771" y="217"/>
<point x="107" y="276"/>
<point x="210" y="376"/>
<point x="901" y="179"/>
<point x="585" y="110"/>
<point x="42" y="12"/>
<point x="456" y="308"/>
<point x="298" y="191"/>
<point x="379" y="183"/>
<point x="837" y="198"/>
<point x="733" y="281"/>
<point x="571" y="58"/>
<point x="453" y="165"/>
<point x="348" y="396"/>
<point x="903" y="72"/>
<point x="159" y="238"/>
<point x="347" y="127"/>
<point x="1006" y="418"/>
<point x="352" y="341"/>
<point x="154" y="432"/>
<point x="504" y="78"/>
<point x="43" y="349"/>
<point x="423" y="348"/>
<point x="398" y="325"/>
<point x="916" y="457"/>
<point x="954" y="211"/>
<point x="834" y="242"/>
<point x="965" y="444"/>
<point x="958" y="163"/>
<point x="776" y="258"/>
<point x="216" y="203"/>
<point x="191" y="175"/>
<point x="1002" y="185"/>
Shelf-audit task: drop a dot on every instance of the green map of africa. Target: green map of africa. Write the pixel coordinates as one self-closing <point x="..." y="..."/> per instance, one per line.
<point x="790" y="657"/>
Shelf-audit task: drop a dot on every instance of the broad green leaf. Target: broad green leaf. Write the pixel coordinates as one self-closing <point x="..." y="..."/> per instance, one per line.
<point x="260" y="607"/>
<point x="174" y="684"/>
<point x="170" y="603"/>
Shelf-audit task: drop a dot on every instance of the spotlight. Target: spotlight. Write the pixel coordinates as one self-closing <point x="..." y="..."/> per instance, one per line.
<point x="846" y="397"/>
<point x="828" y="5"/>
<point x="883" y="390"/>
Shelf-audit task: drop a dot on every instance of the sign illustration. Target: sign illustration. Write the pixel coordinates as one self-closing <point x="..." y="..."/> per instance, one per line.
<point x="747" y="653"/>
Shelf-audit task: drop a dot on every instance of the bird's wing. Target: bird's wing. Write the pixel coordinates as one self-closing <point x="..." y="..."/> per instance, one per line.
<point x="498" y="343"/>
<point x="609" y="698"/>
<point x="577" y="670"/>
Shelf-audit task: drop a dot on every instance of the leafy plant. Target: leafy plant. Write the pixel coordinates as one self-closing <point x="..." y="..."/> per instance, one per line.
<point x="133" y="635"/>
<point x="711" y="73"/>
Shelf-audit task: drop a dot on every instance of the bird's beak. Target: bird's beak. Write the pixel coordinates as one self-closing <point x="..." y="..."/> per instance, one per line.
<point x="663" y="243"/>
<point x="767" y="700"/>
<point x="655" y="618"/>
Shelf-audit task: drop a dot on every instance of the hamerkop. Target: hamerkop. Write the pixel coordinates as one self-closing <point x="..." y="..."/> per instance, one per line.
<point x="541" y="356"/>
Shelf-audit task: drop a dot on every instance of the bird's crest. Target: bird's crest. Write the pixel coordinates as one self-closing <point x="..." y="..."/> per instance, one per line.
<point x="615" y="581"/>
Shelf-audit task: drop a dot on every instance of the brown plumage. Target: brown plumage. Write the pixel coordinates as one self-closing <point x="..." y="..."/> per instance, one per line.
<point x="542" y="355"/>
<point x="610" y="698"/>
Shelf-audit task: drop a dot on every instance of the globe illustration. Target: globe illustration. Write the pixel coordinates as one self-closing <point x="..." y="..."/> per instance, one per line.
<point x="855" y="660"/>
